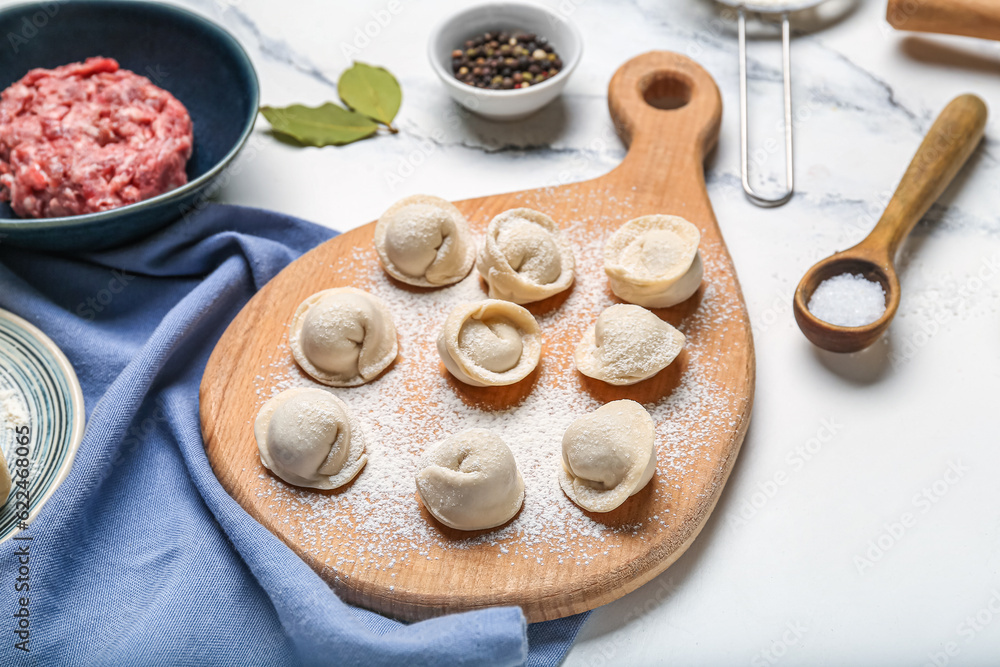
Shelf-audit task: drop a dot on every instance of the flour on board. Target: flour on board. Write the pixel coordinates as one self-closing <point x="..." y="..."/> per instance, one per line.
<point x="377" y="521"/>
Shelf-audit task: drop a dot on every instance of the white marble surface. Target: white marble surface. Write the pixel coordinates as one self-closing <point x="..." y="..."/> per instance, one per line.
<point x="840" y="447"/>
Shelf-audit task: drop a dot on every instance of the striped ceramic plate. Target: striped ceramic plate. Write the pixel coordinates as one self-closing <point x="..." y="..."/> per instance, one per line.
<point x="41" y="419"/>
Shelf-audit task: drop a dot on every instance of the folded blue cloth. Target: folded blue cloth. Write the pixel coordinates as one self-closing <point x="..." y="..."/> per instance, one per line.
<point x="140" y="557"/>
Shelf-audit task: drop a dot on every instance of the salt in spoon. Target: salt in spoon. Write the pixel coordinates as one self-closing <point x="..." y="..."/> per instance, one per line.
<point x="947" y="146"/>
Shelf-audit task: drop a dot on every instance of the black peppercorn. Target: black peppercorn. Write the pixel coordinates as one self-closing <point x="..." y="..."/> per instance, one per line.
<point x="501" y="60"/>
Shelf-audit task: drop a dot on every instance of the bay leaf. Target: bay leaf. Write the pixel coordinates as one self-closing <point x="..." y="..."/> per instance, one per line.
<point x="325" y="125"/>
<point x="372" y="91"/>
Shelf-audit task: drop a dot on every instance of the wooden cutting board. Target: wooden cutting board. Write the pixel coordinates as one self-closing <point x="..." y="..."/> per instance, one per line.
<point x="553" y="559"/>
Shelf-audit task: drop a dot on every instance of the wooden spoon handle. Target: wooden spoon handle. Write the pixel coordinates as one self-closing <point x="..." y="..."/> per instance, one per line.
<point x="947" y="146"/>
<point x="971" y="18"/>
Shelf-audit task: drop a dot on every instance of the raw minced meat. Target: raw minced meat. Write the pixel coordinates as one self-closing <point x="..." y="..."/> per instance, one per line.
<point x="89" y="137"/>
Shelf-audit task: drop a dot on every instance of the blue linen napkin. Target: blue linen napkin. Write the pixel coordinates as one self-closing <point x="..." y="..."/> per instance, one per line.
<point x="140" y="557"/>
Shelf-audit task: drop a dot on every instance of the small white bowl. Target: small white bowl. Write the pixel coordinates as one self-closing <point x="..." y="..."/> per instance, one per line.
<point x="510" y="16"/>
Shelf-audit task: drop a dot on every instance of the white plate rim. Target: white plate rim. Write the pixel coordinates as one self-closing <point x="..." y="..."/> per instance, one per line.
<point x="76" y="400"/>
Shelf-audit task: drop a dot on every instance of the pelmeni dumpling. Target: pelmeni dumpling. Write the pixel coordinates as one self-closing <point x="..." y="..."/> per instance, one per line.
<point x="470" y="481"/>
<point x="424" y="241"/>
<point x="308" y="437"/>
<point x="608" y="456"/>
<point x="525" y="257"/>
<point x="626" y="345"/>
<point x="490" y="343"/>
<point x="653" y="261"/>
<point x="343" y="336"/>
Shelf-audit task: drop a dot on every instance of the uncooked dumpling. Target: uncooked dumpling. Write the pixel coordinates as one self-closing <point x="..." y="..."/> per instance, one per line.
<point x="608" y="456"/>
<point x="490" y="343"/>
<point x="343" y="337"/>
<point x="424" y="241"/>
<point x="525" y="258"/>
<point x="626" y="345"/>
<point x="308" y="437"/>
<point x="653" y="261"/>
<point x="470" y="481"/>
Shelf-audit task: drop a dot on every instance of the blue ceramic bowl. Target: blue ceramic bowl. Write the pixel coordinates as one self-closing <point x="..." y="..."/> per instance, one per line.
<point x="197" y="61"/>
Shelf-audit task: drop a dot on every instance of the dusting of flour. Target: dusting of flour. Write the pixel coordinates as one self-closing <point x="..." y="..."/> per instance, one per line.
<point x="377" y="522"/>
<point x="13" y="413"/>
<point x="12" y="410"/>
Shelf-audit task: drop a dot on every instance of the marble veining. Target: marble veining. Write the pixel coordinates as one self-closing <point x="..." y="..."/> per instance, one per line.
<point x="839" y="446"/>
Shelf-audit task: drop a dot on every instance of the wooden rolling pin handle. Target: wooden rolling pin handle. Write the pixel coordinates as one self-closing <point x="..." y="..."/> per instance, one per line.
<point x="971" y="18"/>
<point x="947" y="146"/>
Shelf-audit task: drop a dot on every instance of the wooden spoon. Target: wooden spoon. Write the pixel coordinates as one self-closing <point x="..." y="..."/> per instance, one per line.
<point x="971" y="18"/>
<point x="944" y="150"/>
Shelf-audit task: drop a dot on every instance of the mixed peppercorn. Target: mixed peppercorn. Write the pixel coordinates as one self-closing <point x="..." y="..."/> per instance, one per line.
<point x="505" y="60"/>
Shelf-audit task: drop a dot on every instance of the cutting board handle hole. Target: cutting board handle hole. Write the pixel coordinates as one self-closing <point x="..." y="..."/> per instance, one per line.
<point x="666" y="90"/>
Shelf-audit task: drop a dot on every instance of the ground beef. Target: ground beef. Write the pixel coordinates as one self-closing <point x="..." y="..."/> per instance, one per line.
<point x="89" y="137"/>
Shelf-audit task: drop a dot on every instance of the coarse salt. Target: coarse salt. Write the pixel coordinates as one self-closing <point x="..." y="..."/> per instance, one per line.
<point x="848" y="300"/>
